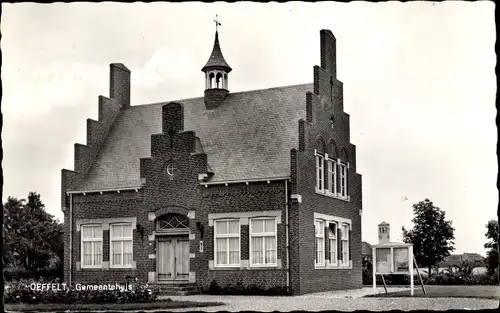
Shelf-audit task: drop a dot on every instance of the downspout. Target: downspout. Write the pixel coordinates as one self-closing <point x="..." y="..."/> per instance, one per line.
<point x="70" y="237"/>
<point x="287" y="227"/>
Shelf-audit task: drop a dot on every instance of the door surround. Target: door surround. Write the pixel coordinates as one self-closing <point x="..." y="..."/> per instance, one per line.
<point x="174" y="226"/>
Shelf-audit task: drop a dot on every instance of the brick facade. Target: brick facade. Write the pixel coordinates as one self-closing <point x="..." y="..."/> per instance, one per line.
<point x="189" y="192"/>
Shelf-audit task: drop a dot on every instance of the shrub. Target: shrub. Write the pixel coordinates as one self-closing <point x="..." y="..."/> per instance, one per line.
<point x="239" y="289"/>
<point x="214" y="288"/>
<point x="21" y="291"/>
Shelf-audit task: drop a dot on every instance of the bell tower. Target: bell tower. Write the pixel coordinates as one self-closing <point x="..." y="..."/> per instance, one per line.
<point x="384" y="233"/>
<point x="216" y="74"/>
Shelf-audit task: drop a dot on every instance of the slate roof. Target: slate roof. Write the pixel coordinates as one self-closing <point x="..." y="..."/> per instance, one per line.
<point x="216" y="59"/>
<point x="248" y="137"/>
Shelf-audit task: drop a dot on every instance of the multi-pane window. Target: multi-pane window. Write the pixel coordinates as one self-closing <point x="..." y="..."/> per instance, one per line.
<point x="320" y="241"/>
<point x="320" y="165"/>
<point x="121" y="245"/>
<point x="332" y="176"/>
<point x="343" y="180"/>
<point x="91" y="246"/>
<point x="227" y="242"/>
<point x="263" y="241"/>
<point x="345" y="244"/>
<point x="332" y="238"/>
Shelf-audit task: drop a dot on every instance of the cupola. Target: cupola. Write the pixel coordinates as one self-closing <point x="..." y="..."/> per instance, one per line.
<point x="216" y="75"/>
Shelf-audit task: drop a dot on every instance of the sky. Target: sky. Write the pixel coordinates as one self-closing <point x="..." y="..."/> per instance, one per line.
<point x="419" y="85"/>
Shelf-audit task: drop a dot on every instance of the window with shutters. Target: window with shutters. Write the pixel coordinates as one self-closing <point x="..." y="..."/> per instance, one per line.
<point x="263" y="242"/>
<point x="120" y="244"/>
<point x="320" y="242"/>
<point x="345" y="244"/>
<point x="91" y="248"/>
<point x="227" y="243"/>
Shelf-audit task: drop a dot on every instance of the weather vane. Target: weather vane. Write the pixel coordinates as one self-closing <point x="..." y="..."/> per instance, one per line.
<point x="217" y="24"/>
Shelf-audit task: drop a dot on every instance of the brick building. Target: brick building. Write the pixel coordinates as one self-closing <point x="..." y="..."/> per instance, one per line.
<point x="256" y="187"/>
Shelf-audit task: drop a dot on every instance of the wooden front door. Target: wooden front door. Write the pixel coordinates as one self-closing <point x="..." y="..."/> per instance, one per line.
<point x="173" y="258"/>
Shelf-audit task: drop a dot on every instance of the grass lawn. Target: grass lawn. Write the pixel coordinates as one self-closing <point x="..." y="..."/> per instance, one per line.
<point x="435" y="291"/>
<point x="62" y="307"/>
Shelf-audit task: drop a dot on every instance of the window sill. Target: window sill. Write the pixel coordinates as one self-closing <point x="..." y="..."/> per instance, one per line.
<point x="332" y="195"/>
<point x="264" y="266"/>
<point x="105" y="269"/>
<point x="84" y="269"/>
<point x="328" y="266"/>
<point x="333" y="267"/>
<point x="245" y="266"/>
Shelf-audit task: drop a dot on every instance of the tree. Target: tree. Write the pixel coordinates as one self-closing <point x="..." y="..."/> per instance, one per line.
<point x="432" y="235"/>
<point x="492" y="245"/>
<point x="32" y="238"/>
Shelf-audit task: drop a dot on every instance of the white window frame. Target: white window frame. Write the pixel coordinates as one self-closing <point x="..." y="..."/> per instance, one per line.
<point x="121" y="239"/>
<point x="332" y="173"/>
<point x="227" y="236"/>
<point x="333" y="261"/>
<point x="320" y="166"/>
<point x="97" y="239"/>
<point x="345" y="238"/>
<point x="319" y="224"/>
<point x="264" y="235"/>
<point x="343" y="174"/>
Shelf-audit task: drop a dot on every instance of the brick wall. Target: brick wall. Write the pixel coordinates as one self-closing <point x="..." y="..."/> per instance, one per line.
<point x="109" y="205"/>
<point x="323" y="106"/>
<point x="257" y="196"/>
<point x="215" y="97"/>
<point x="84" y="155"/>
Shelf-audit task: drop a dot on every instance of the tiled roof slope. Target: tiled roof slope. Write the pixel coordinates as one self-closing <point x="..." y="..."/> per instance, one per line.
<point x="248" y="137"/>
<point x="216" y="58"/>
<point x="366" y="248"/>
<point x="457" y="259"/>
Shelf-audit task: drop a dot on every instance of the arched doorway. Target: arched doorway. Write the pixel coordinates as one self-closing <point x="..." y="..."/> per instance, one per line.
<point x="172" y="248"/>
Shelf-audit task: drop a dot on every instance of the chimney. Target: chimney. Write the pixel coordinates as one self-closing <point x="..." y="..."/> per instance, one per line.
<point x="172" y="118"/>
<point x="119" y="84"/>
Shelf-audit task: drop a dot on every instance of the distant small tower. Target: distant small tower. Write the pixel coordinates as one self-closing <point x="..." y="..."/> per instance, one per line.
<point x="216" y="75"/>
<point x="384" y="233"/>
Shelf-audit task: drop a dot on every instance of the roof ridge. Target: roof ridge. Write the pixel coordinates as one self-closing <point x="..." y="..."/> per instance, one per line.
<point x="232" y="93"/>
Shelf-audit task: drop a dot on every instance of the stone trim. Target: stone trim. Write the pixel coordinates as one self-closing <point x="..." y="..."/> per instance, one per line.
<point x="244" y="266"/>
<point x="296" y="197"/>
<point x="192" y="277"/>
<point x="151" y="216"/>
<point x="192" y="236"/>
<point x="191" y="255"/>
<point x="331" y="218"/>
<point x="151" y="277"/>
<point x="106" y="221"/>
<point x="191" y="214"/>
<point x="328" y="266"/>
<point x="151" y="256"/>
<point x="244" y="216"/>
<point x="152" y="237"/>
<point x="105" y="267"/>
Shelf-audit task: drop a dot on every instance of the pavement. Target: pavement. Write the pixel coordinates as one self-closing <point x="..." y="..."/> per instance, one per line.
<point x="348" y="300"/>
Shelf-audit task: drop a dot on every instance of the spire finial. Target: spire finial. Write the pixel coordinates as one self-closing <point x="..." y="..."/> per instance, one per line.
<point x="217" y="24"/>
